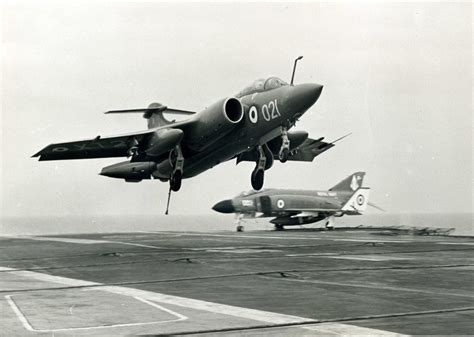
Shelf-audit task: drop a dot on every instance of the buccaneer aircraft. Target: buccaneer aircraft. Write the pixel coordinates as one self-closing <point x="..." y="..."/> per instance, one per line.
<point x="250" y="126"/>
<point x="299" y="207"/>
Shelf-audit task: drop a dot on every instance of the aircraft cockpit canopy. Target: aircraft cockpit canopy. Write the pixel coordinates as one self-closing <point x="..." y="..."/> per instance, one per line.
<point x="251" y="192"/>
<point x="262" y="85"/>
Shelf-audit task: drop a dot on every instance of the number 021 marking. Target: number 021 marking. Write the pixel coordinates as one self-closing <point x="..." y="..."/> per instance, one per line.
<point x="271" y="111"/>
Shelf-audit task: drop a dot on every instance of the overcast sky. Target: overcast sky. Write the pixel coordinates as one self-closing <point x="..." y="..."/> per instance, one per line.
<point x="398" y="76"/>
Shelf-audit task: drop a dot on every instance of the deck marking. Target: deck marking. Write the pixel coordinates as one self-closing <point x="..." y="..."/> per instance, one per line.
<point x="373" y="258"/>
<point x="151" y="297"/>
<point x="294" y="238"/>
<point x="312" y="254"/>
<point x="83" y="241"/>
<point x="27" y="325"/>
<point x="252" y="314"/>
<point x="171" y="312"/>
<point x="65" y="240"/>
<point x="456" y="243"/>
<point x="217" y="308"/>
<point x="341" y="329"/>
<point x="242" y="250"/>
<point x="342" y="284"/>
<point x="134" y="244"/>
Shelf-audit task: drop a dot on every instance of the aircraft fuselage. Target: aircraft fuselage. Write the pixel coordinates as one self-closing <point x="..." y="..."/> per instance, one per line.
<point x="264" y="115"/>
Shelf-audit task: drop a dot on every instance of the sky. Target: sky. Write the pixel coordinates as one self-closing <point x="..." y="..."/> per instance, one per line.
<point x="396" y="75"/>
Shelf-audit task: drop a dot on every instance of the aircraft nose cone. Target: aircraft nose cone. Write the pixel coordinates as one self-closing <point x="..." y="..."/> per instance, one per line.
<point x="317" y="89"/>
<point x="309" y="92"/>
<point x="106" y="172"/>
<point x="224" y="206"/>
<point x="305" y="95"/>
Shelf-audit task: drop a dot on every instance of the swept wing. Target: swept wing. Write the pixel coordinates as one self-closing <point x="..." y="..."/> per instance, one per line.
<point x="101" y="147"/>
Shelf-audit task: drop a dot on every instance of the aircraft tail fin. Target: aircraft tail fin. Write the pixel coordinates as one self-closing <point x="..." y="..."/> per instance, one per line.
<point x="154" y="114"/>
<point x="358" y="201"/>
<point x="351" y="183"/>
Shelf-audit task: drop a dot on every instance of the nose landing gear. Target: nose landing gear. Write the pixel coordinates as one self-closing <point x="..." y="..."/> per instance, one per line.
<point x="237" y="221"/>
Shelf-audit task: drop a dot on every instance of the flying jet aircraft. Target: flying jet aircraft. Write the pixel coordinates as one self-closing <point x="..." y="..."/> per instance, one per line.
<point x="249" y="126"/>
<point x="299" y="207"/>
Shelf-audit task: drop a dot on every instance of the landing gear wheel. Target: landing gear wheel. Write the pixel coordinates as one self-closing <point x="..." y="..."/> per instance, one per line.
<point x="257" y="179"/>
<point x="279" y="227"/>
<point x="284" y="155"/>
<point x="239" y="228"/>
<point x="329" y="226"/>
<point x="175" y="181"/>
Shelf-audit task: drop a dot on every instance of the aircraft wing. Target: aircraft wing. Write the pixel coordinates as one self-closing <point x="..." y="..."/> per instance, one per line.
<point x="310" y="149"/>
<point x="311" y="210"/>
<point x="306" y="211"/>
<point x="307" y="151"/>
<point x="99" y="147"/>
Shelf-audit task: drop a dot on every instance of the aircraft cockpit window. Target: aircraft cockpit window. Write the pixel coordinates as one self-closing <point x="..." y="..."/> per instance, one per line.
<point x="262" y="85"/>
<point x="256" y="86"/>
<point x="249" y="193"/>
<point x="273" y="83"/>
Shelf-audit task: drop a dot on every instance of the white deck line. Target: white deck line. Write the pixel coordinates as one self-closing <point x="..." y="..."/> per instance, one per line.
<point x="153" y="298"/>
<point x="27" y="325"/>
<point x="374" y="286"/>
<point x="256" y="315"/>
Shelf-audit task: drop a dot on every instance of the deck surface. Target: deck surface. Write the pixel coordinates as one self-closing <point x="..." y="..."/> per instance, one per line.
<point x="294" y="282"/>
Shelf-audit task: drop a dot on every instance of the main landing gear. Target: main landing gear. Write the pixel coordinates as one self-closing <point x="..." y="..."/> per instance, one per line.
<point x="177" y="160"/>
<point x="330" y="223"/>
<point x="176" y="177"/>
<point x="284" y="152"/>
<point x="258" y="174"/>
<point x="133" y="150"/>
<point x="265" y="159"/>
<point x="279" y="227"/>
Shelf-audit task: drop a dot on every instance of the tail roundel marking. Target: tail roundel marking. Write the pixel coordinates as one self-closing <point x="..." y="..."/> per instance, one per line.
<point x="358" y="201"/>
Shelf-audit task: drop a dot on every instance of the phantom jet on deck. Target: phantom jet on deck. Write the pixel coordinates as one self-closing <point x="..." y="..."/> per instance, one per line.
<point x="299" y="207"/>
<point x="250" y="126"/>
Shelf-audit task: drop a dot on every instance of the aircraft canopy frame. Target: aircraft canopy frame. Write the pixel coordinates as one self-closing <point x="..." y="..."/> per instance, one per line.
<point x="262" y="85"/>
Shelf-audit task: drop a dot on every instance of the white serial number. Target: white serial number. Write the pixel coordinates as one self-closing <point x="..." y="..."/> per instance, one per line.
<point x="270" y="111"/>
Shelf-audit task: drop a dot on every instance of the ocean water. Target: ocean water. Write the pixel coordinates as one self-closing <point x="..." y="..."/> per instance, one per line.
<point x="462" y="223"/>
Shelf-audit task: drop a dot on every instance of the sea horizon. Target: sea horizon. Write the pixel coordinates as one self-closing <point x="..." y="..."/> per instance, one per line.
<point x="462" y="223"/>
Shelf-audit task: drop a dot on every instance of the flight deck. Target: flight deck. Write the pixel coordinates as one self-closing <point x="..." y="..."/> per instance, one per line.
<point x="292" y="282"/>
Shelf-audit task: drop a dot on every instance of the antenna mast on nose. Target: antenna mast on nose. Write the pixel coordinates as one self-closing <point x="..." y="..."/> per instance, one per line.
<point x="294" y="68"/>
